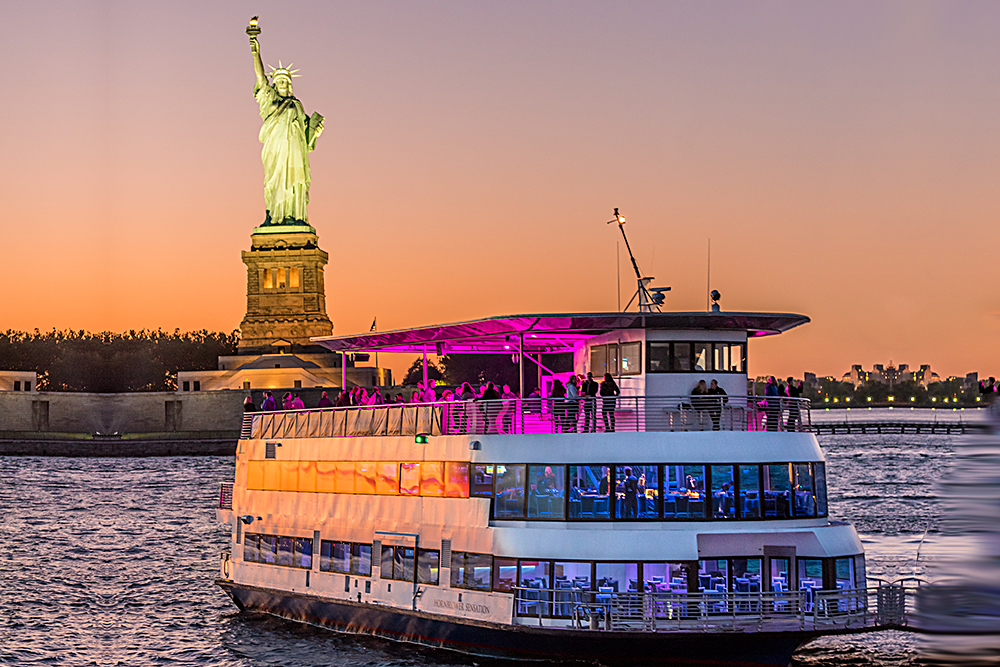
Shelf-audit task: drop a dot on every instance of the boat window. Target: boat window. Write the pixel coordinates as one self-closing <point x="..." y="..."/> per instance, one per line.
<point x="745" y="575"/>
<point x="482" y="481"/>
<point x="432" y="478"/>
<point x="637" y="492"/>
<point x="250" y="547"/>
<point x="819" y="473"/>
<point x="509" y="492"/>
<point x="588" y="492"/>
<point x="409" y="478"/>
<point x="385" y="569"/>
<point x="598" y="360"/>
<point x="737" y="358"/>
<point x="612" y="359"/>
<point x="386" y="478"/>
<point x="364" y="477"/>
<point x="723" y="493"/>
<point x="664" y="577"/>
<point x="810" y="573"/>
<point x="504" y="574"/>
<point x="335" y="556"/>
<point x="618" y="577"/>
<point x="749" y="491"/>
<point x="713" y="575"/>
<point x="777" y="489"/>
<point x="397" y="563"/>
<point x="658" y="357"/>
<point x="844" y="573"/>
<point x="681" y="358"/>
<point x="302" y="552"/>
<point x="470" y="570"/>
<point x="285" y="545"/>
<point x="428" y="564"/>
<point x="456" y="480"/>
<point x="702" y="356"/>
<point x="631" y="360"/>
<point x="403" y="563"/>
<point x="860" y="579"/>
<point x="268" y="549"/>
<point x="779" y="580"/>
<point x="546" y="492"/>
<point x="345" y="477"/>
<point x="535" y="574"/>
<point x="720" y="357"/>
<point x="802" y="486"/>
<point x="361" y="559"/>
<point x="571" y="575"/>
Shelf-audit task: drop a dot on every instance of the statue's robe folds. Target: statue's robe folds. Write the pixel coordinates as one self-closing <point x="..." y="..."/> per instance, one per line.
<point x="285" y="135"/>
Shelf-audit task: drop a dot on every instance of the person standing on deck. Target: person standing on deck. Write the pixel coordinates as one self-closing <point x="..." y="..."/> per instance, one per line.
<point x="589" y="390"/>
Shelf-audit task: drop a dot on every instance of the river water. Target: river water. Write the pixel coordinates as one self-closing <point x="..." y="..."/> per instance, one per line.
<point x="111" y="562"/>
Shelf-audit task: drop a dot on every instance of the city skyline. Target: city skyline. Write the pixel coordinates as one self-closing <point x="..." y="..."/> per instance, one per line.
<point x="840" y="158"/>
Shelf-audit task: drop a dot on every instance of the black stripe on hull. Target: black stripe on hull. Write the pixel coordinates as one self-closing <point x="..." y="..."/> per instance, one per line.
<point x="523" y="642"/>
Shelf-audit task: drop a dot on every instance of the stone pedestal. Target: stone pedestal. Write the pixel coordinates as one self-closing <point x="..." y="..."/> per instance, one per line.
<point x="286" y="301"/>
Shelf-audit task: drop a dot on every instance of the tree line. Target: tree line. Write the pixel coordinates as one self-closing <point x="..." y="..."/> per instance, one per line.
<point x="109" y="362"/>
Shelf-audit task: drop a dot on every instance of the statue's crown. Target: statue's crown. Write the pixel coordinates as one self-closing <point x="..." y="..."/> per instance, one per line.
<point x="283" y="72"/>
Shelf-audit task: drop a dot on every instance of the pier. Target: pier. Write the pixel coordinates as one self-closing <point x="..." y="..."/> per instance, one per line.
<point x="878" y="426"/>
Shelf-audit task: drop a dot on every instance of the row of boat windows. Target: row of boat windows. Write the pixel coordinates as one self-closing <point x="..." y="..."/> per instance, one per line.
<point x="653" y="491"/>
<point x="484" y="572"/>
<point x="594" y="492"/>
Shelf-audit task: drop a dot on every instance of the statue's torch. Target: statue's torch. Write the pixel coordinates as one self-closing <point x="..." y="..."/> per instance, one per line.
<point x="253" y="29"/>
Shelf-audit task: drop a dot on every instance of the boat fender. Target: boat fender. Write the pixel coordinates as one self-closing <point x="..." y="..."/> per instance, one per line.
<point x="359" y="596"/>
<point x="225" y="568"/>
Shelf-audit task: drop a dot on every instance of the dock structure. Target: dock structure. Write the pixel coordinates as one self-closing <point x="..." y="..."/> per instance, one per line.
<point x="896" y="427"/>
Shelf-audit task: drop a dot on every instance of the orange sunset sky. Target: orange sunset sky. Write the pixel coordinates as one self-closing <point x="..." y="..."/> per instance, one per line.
<point x="842" y="157"/>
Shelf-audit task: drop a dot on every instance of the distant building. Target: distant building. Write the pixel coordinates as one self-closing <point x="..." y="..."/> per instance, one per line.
<point x="891" y="375"/>
<point x="18" y="381"/>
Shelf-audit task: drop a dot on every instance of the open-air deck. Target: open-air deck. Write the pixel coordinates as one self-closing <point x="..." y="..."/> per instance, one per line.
<point x="631" y="414"/>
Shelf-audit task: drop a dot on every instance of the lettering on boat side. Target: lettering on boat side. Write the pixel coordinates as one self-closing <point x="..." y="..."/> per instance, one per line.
<point x="462" y="606"/>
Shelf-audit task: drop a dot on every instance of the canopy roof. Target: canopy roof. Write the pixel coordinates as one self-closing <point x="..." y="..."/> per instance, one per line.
<point x="549" y="333"/>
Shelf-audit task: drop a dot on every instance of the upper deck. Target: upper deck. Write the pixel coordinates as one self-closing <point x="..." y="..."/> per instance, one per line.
<point x="535" y="416"/>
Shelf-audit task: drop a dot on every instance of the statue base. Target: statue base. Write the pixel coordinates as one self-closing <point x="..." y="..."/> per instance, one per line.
<point x="286" y="298"/>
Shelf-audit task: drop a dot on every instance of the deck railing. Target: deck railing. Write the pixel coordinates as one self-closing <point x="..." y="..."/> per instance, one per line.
<point x="536" y="416"/>
<point x="882" y="605"/>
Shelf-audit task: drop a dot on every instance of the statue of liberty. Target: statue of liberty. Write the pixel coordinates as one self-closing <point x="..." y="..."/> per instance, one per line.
<point x="288" y="135"/>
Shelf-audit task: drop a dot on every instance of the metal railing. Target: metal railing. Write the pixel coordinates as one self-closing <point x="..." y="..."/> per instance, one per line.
<point x="536" y="415"/>
<point x="885" y="605"/>
<point x="225" y="495"/>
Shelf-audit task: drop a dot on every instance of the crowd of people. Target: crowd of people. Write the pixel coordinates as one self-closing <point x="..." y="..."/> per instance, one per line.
<point x="498" y="404"/>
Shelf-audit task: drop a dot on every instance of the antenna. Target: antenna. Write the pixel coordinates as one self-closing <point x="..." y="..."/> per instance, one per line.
<point x="649" y="297"/>
<point x="708" y="283"/>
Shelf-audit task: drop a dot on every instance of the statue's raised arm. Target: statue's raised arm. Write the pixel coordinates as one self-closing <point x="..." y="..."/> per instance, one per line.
<point x="288" y="135"/>
<point x="258" y="64"/>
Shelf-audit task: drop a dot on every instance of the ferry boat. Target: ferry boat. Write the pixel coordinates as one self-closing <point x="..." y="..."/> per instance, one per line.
<point x="650" y="527"/>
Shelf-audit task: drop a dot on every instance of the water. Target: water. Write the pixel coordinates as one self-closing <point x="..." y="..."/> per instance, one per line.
<point x="111" y="562"/>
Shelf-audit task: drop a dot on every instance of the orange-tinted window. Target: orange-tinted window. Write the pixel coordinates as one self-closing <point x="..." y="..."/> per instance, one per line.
<point x="345" y="477"/>
<point x="456" y="480"/>
<point x="255" y="474"/>
<point x="307" y="476"/>
<point x="364" y="477"/>
<point x="387" y="480"/>
<point x="289" y="475"/>
<point x="432" y="478"/>
<point x="326" y="477"/>
<point x="409" y="478"/>
<point x="272" y="475"/>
